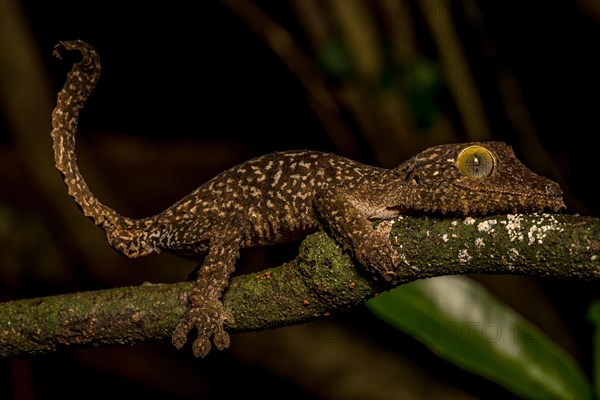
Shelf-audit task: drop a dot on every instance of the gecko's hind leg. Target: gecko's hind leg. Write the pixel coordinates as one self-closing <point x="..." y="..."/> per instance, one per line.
<point x="205" y="311"/>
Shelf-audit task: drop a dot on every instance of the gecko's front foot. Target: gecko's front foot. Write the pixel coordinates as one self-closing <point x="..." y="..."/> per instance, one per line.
<point x="206" y="314"/>
<point x="381" y="259"/>
<point x="377" y="254"/>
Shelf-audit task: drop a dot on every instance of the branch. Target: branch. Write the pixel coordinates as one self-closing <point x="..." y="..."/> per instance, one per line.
<point x="321" y="280"/>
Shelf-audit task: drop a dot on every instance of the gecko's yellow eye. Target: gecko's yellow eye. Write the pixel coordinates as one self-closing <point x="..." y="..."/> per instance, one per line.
<point x="475" y="162"/>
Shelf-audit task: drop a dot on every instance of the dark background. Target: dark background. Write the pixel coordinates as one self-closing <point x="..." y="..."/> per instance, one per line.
<point x="189" y="89"/>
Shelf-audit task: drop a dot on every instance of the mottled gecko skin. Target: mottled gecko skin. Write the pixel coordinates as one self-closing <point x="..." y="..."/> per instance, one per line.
<point x="284" y="196"/>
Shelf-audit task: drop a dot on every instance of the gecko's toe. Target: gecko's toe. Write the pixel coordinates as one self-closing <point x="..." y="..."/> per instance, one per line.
<point x="179" y="337"/>
<point x="201" y="347"/>
<point x="221" y="340"/>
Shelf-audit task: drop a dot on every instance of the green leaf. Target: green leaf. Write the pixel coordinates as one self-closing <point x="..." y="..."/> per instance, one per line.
<point x="463" y="323"/>
<point x="593" y="316"/>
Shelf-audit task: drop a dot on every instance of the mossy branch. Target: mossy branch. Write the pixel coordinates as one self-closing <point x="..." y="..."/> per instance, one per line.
<point x="321" y="280"/>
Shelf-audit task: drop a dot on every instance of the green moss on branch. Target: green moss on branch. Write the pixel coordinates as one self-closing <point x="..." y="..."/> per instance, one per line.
<point x="320" y="281"/>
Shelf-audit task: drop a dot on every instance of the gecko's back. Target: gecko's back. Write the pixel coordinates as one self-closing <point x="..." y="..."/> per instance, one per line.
<point x="270" y="198"/>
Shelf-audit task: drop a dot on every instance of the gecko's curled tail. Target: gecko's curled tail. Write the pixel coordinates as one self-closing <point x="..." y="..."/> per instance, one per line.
<point x="80" y="82"/>
<point x="124" y="234"/>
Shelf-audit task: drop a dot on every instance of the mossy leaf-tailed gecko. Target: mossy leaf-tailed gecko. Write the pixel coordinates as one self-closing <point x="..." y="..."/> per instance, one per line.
<point x="284" y="196"/>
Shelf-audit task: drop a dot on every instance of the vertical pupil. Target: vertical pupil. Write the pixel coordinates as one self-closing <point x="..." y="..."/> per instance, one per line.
<point x="475" y="162"/>
<point x="476" y="165"/>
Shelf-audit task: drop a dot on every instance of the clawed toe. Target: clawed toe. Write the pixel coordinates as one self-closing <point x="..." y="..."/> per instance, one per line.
<point x="201" y="347"/>
<point x="179" y="337"/>
<point x="221" y="340"/>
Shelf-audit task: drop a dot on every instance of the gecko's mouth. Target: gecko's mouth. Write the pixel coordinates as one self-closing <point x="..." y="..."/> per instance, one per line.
<point x="532" y="204"/>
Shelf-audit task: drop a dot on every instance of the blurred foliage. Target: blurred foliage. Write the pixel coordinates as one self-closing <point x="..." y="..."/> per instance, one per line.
<point x="593" y="316"/>
<point x="462" y="322"/>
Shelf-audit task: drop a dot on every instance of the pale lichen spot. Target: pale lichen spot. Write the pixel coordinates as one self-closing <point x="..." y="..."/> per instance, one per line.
<point x="464" y="256"/>
<point x="487" y="226"/>
<point x="531" y="235"/>
<point x="479" y="243"/>
<point x="469" y="221"/>
<point x="513" y="226"/>
<point x="537" y="233"/>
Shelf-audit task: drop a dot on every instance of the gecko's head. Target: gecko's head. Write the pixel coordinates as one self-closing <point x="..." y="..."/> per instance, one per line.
<point x="476" y="178"/>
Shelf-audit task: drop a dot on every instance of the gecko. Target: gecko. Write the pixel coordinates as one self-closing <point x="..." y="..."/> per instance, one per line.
<point x="284" y="196"/>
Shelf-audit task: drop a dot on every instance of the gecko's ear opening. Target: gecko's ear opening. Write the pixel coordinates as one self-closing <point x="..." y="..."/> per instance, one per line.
<point x="476" y="162"/>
